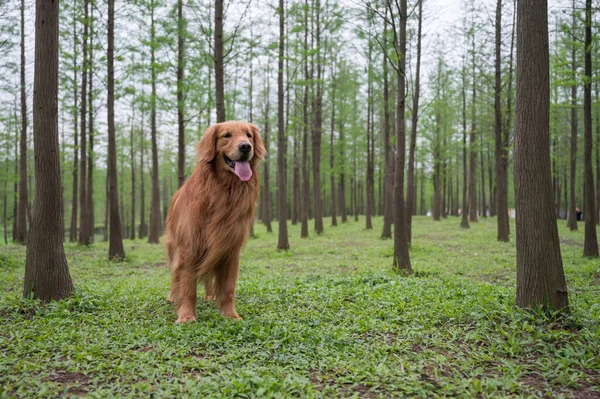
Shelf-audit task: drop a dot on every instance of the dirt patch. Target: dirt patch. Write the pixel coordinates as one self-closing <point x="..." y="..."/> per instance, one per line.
<point x="65" y="377"/>
<point x="573" y="243"/>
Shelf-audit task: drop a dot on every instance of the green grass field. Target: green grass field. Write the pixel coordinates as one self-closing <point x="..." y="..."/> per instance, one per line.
<point x="329" y="318"/>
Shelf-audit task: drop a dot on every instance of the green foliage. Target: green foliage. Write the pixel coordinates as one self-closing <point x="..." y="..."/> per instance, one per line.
<point x="326" y="319"/>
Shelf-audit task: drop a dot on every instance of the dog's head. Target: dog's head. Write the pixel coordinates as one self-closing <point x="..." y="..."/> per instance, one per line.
<point x="233" y="147"/>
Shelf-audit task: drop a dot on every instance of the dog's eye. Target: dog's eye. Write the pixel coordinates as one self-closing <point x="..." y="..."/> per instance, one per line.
<point x="248" y="135"/>
<point x="227" y="135"/>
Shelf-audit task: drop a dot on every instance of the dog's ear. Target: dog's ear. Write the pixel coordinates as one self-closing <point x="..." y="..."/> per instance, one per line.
<point x="207" y="147"/>
<point x="259" y="147"/>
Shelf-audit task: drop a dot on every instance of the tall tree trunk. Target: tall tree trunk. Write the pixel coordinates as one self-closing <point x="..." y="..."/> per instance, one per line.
<point x="465" y="200"/>
<point x="90" y="157"/>
<point x="115" y="248"/>
<point x="46" y="271"/>
<point x="483" y="201"/>
<point x="410" y="189"/>
<point x="597" y="156"/>
<point x="332" y="152"/>
<point x="155" y="218"/>
<point x="508" y="124"/>
<point x="401" y="254"/>
<point x="317" y="129"/>
<point x="219" y="74"/>
<point x="305" y="174"/>
<point x="341" y="163"/>
<point x="132" y="158"/>
<point x="74" y="203"/>
<point x="16" y="185"/>
<point x="370" y="132"/>
<point x="21" y="236"/>
<point x="83" y="211"/>
<point x="437" y="201"/>
<point x="106" y="208"/>
<point x="472" y="139"/>
<point x="388" y="203"/>
<point x="572" y="221"/>
<point x="590" y="244"/>
<point x="143" y="229"/>
<point x="501" y="187"/>
<point x="540" y="276"/>
<point x="180" y="102"/>
<point x="266" y="194"/>
<point x="284" y="242"/>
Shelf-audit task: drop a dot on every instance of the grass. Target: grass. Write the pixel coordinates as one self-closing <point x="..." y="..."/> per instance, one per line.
<point x="327" y="319"/>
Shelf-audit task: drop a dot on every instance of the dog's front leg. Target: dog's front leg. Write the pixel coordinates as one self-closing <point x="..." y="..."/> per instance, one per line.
<point x="226" y="279"/>
<point x="186" y="294"/>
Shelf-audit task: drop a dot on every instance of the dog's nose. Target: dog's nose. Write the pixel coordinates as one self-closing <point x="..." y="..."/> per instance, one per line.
<point x="245" y="147"/>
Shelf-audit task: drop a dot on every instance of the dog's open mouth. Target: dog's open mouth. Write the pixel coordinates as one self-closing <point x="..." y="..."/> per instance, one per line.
<point x="240" y="168"/>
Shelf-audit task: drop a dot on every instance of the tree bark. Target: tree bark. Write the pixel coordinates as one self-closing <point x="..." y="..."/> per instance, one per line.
<point x="132" y="158"/>
<point x="21" y="236"/>
<point x="74" y="203"/>
<point x="283" y="242"/>
<point x="401" y="253"/>
<point x="180" y="101"/>
<point x="590" y="243"/>
<point x="410" y="190"/>
<point x="90" y="158"/>
<point x="46" y="271"/>
<point x="305" y="174"/>
<point x="388" y="212"/>
<point x="572" y="220"/>
<point x="540" y="277"/>
<point x="472" y="139"/>
<point x="83" y="211"/>
<point x="465" y="200"/>
<point x="317" y="129"/>
<point x="219" y="73"/>
<point x="332" y="152"/>
<point x="155" y="218"/>
<point x="115" y="248"/>
<point x="500" y="151"/>
<point x="266" y="191"/>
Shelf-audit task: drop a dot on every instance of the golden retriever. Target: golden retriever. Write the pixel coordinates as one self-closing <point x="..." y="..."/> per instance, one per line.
<point x="211" y="216"/>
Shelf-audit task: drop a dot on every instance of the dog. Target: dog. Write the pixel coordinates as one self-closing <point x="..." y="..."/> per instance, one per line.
<point x="210" y="218"/>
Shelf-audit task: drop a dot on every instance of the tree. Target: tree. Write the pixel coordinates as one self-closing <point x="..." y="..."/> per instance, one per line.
<point x="283" y="242"/>
<point x="155" y="218"/>
<point x="388" y="212"/>
<point x="180" y="87"/>
<point x="465" y="199"/>
<point x="218" y="57"/>
<point x="115" y="249"/>
<point x="590" y="244"/>
<point x="317" y="109"/>
<point x="21" y="236"/>
<point x="46" y="271"/>
<point x="540" y="276"/>
<point x="572" y="220"/>
<point x="401" y="253"/>
<point x="410" y="189"/>
<point x="83" y="209"/>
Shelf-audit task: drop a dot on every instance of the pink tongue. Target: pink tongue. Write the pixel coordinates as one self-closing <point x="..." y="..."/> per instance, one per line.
<point x="242" y="169"/>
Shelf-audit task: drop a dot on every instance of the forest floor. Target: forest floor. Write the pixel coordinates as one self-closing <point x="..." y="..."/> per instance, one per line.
<point x="329" y="318"/>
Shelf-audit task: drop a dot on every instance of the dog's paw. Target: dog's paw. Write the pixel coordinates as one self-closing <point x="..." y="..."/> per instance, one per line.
<point x="209" y="298"/>
<point x="185" y="319"/>
<point x="232" y="315"/>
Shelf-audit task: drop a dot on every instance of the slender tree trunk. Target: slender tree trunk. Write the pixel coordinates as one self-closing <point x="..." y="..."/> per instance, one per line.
<point x="266" y="195"/>
<point x="132" y="158"/>
<point x="83" y="211"/>
<point x="317" y="130"/>
<point x="501" y="187"/>
<point x="16" y="185"/>
<point x="115" y="248"/>
<point x="180" y="102"/>
<point x="540" y="276"/>
<point x="410" y="189"/>
<point x="473" y="153"/>
<point x="437" y="202"/>
<point x="46" y="271"/>
<point x="74" y="203"/>
<point x="219" y="74"/>
<point x="590" y="244"/>
<point x="143" y="230"/>
<point x="597" y="156"/>
<point x="106" y="208"/>
<point x="281" y="177"/>
<point x="483" y="200"/>
<point x="388" y="203"/>
<point x="155" y="218"/>
<point x="401" y="254"/>
<point x="305" y="174"/>
<point x="465" y="200"/>
<point x="90" y="157"/>
<point x="21" y="236"/>
<point x="331" y="152"/>
<point x="341" y="163"/>
<point x="572" y="221"/>
<point x="370" y="132"/>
